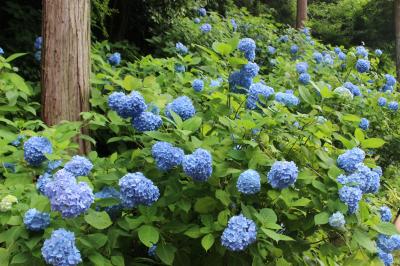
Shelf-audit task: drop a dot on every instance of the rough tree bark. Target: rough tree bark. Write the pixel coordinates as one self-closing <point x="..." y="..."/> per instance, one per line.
<point x="301" y="13"/>
<point x="65" y="61"/>
<point x="397" y="34"/>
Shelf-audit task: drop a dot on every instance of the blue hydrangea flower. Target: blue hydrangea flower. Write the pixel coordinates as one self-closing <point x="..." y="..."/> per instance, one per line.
<point x="127" y="105"/>
<point x="343" y="92"/>
<point x="60" y="249"/>
<point x="38" y="56"/>
<point x="337" y="50"/>
<point x="205" y="28"/>
<point x="182" y="106"/>
<point x="342" y="56"/>
<point x="386" y="258"/>
<point x="250" y="70"/>
<point x="234" y="25"/>
<point x="362" y="65"/>
<point x="378" y="170"/>
<point x="239" y="234"/>
<point x="388" y="243"/>
<point x="349" y="160"/>
<point x="363" y="177"/>
<point x="304" y="78"/>
<point x="35" y="149"/>
<point x="318" y="57"/>
<point x="328" y="60"/>
<point x="1" y="51"/>
<point x="202" y="12"/>
<point x="146" y="121"/>
<point x="38" y="43"/>
<point x="18" y="140"/>
<point x="196" y="20"/>
<point x="166" y="155"/>
<point x="114" y="59"/>
<point x="248" y="47"/>
<point x="364" y="124"/>
<point x="301" y="67"/>
<point x="53" y="165"/>
<point x="67" y="196"/>
<point x="152" y="251"/>
<point x="394" y="106"/>
<point x="337" y="220"/>
<point x="239" y="79"/>
<point x="79" y="166"/>
<point x="198" y="85"/>
<point x="271" y="50"/>
<point x="215" y="83"/>
<point x="294" y="49"/>
<point x="350" y="196"/>
<point x="42" y="181"/>
<point x="198" y="165"/>
<point x="35" y="220"/>
<point x="352" y="88"/>
<point x="288" y="99"/>
<point x="180" y="68"/>
<point x="382" y="101"/>
<point x="253" y="96"/>
<point x="136" y="189"/>
<point x="390" y="80"/>
<point x="249" y="182"/>
<point x="110" y="193"/>
<point x="378" y="52"/>
<point x="282" y="174"/>
<point x="181" y="48"/>
<point x="284" y="38"/>
<point x="306" y="31"/>
<point x="361" y="51"/>
<point x="386" y="214"/>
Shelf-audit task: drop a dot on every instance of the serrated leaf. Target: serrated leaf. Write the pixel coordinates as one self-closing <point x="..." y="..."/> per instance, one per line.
<point x="207" y="241"/>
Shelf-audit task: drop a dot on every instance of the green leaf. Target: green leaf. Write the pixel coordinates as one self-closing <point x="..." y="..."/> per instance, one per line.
<point x="363" y="240"/>
<point x="386" y="229"/>
<point x="351" y="118"/>
<point x="359" y="134"/>
<point x="18" y="82"/>
<point x="192" y="124"/>
<point x="205" y="205"/>
<point x="20" y="258"/>
<point x="148" y="235"/>
<point x="166" y="253"/>
<point x="131" y="83"/>
<point x="222" y="48"/>
<point x="99" y="220"/>
<point x="223" y="196"/>
<point x="275" y="236"/>
<point x="321" y="218"/>
<point x="306" y="95"/>
<point x="98" y="259"/>
<point x="14" y="56"/>
<point x="372" y="143"/>
<point x="207" y="241"/>
<point x="117" y="260"/>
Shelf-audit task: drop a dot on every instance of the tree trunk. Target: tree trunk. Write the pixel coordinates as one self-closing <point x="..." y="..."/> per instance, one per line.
<point x="66" y="61"/>
<point x="397" y="34"/>
<point x="301" y="13"/>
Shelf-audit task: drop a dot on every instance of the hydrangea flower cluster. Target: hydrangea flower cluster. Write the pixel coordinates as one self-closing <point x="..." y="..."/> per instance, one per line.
<point x="7" y="202"/>
<point x="18" y="140"/>
<point x="179" y="68"/>
<point x="304" y="78"/>
<point x="294" y="49"/>
<point x="198" y="85"/>
<point x="393" y="106"/>
<point x="249" y="182"/>
<point x="351" y="196"/>
<point x="287" y="98"/>
<point x="364" y="124"/>
<point x="361" y="51"/>
<point x="328" y="60"/>
<point x="38" y="48"/>
<point x="67" y="196"/>
<point x="283" y="38"/>
<point x="342" y="56"/>
<point x="343" y="92"/>
<point x="60" y="249"/>
<point x="114" y="59"/>
<point x="362" y="65"/>
<point x="42" y="182"/>
<point x="35" y="149"/>
<point x="182" y="106"/>
<point x="152" y="251"/>
<point x="248" y="47"/>
<point x="239" y="234"/>
<point x="234" y="25"/>
<point x="202" y="12"/>
<point x="146" y="121"/>
<point x="198" y="165"/>
<point x="35" y="220"/>
<point x="216" y="82"/>
<point x="256" y="90"/>
<point x="349" y="160"/>
<point x="282" y="174"/>
<point x="110" y="193"/>
<point x="388" y="244"/>
<point x="301" y="67"/>
<point x="181" y="48"/>
<point x="1" y="51"/>
<point x="127" y="105"/>
<point x="166" y="155"/>
<point x="79" y="166"/>
<point x="53" y="165"/>
<point x="137" y="189"/>
<point x="386" y="214"/>
<point x="337" y="50"/>
<point x="205" y="28"/>
<point x="386" y="258"/>
<point x="318" y="57"/>
<point x="196" y="20"/>
<point x="378" y="52"/>
<point x="271" y="49"/>
<point x="243" y="78"/>
<point x="352" y="88"/>
<point x="337" y="220"/>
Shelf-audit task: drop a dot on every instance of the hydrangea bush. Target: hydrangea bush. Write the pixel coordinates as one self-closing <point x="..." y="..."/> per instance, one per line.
<point x="220" y="153"/>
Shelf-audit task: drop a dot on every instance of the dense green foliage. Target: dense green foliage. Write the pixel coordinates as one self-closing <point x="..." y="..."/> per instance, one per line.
<point x="187" y="221"/>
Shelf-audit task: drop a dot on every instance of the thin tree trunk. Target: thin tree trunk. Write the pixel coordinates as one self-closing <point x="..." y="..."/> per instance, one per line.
<point x="397" y="34"/>
<point x="66" y="61"/>
<point x="301" y="13"/>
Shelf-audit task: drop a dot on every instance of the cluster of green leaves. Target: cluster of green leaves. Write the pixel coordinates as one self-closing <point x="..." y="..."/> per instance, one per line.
<point x="188" y="219"/>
